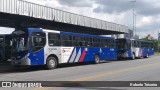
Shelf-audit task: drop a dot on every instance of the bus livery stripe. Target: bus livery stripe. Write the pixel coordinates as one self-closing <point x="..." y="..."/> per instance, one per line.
<point x="83" y="55"/>
<point x="78" y="55"/>
<point x="73" y="55"/>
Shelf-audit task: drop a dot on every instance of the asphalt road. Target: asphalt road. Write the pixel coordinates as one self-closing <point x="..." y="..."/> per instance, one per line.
<point x="124" y="70"/>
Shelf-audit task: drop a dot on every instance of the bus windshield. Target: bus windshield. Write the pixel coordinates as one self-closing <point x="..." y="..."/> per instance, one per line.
<point x="37" y="40"/>
<point x="19" y="41"/>
<point x="120" y="44"/>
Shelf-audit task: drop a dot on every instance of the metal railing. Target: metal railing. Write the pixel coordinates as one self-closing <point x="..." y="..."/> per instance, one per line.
<point x="20" y="7"/>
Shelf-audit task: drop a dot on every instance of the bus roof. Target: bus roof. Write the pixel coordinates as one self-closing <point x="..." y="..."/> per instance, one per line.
<point x="70" y="33"/>
<point x="86" y="35"/>
<point x="126" y="38"/>
<point x="134" y="39"/>
<point x="145" y="40"/>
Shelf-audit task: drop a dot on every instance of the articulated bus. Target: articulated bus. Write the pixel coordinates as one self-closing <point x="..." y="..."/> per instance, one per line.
<point x="37" y="46"/>
<point x="131" y="48"/>
<point x="5" y="47"/>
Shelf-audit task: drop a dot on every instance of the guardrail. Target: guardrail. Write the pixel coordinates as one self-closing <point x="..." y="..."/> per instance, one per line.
<point x="25" y="8"/>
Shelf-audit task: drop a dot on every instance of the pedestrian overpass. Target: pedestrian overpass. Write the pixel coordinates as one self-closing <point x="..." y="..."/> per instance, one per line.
<point x="21" y="14"/>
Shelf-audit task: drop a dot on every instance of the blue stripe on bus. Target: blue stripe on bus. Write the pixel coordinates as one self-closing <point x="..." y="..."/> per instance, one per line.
<point x="71" y="54"/>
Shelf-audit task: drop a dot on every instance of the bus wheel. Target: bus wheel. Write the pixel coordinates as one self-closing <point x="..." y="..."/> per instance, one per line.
<point x="133" y="56"/>
<point x="51" y="63"/>
<point x="96" y="59"/>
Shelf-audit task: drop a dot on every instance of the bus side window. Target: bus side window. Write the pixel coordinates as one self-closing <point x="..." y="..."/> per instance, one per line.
<point x="128" y="44"/>
<point x="107" y="43"/>
<point x="135" y="43"/>
<point x="78" y="41"/>
<point x="110" y="43"/>
<point x="87" y="41"/>
<point x="96" y="42"/>
<point x="103" y="42"/>
<point x="66" y="40"/>
<point x="54" y="39"/>
<point x="91" y="41"/>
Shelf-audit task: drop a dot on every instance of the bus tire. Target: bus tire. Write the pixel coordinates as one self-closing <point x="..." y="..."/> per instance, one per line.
<point x="133" y="56"/>
<point x="51" y="63"/>
<point x="96" y="59"/>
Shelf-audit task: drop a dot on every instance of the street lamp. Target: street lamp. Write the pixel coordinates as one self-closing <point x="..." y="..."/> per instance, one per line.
<point x="135" y="24"/>
<point x="158" y="40"/>
<point x="133" y="15"/>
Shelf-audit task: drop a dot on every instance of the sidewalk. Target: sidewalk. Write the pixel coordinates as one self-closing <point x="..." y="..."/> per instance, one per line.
<point x="156" y="54"/>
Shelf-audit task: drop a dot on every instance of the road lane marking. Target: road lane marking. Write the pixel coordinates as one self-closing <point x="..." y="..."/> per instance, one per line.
<point x="106" y="74"/>
<point x="40" y="88"/>
<point x="113" y="72"/>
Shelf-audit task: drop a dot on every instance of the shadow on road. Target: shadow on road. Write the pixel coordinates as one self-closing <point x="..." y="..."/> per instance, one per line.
<point x="9" y="69"/>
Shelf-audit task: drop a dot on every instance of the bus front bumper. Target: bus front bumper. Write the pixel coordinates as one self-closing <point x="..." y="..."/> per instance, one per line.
<point x="24" y="61"/>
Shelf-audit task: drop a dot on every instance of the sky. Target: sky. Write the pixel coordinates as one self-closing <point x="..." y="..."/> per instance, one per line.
<point x="117" y="11"/>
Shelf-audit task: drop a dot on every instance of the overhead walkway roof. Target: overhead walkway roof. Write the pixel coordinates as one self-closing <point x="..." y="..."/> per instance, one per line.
<point x="18" y="10"/>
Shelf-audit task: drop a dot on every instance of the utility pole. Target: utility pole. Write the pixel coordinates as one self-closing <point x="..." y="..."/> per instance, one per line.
<point x="133" y="16"/>
<point x="158" y="40"/>
<point x="135" y="24"/>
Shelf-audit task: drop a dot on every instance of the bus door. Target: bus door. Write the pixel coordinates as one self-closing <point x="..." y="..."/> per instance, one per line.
<point x="128" y="48"/>
<point x="37" y="43"/>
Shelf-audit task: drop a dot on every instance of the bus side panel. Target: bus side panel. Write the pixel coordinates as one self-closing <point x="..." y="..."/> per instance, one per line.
<point x="112" y="52"/>
<point x="151" y="51"/>
<point x="145" y="50"/>
<point x="105" y="54"/>
<point x="49" y="50"/>
<point x="86" y="55"/>
<point x="137" y="52"/>
<point x="80" y="54"/>
<point x="90" y="53"/>
<point x="129" y="52"/>
<point x="37" y="58"/>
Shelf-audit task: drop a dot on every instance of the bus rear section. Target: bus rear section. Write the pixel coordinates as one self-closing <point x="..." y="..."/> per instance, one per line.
<point x="5" y="48"/>
<point x="131" y="48"/>
<point x="37" y="46"/>
<point x="147" y="48"/>
<point x="124" y="48"/>
<point x="128" y="48"/>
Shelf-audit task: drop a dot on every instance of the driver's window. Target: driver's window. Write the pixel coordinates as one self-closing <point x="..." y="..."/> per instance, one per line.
<point x="38" y="40"/>
<point x="128" y="46"/>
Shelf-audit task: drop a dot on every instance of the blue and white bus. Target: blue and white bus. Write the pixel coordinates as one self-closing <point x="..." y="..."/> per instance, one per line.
<point x="131" y="48"/>
<point x="37" y="46"/>
<point x="147" y="48"/>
